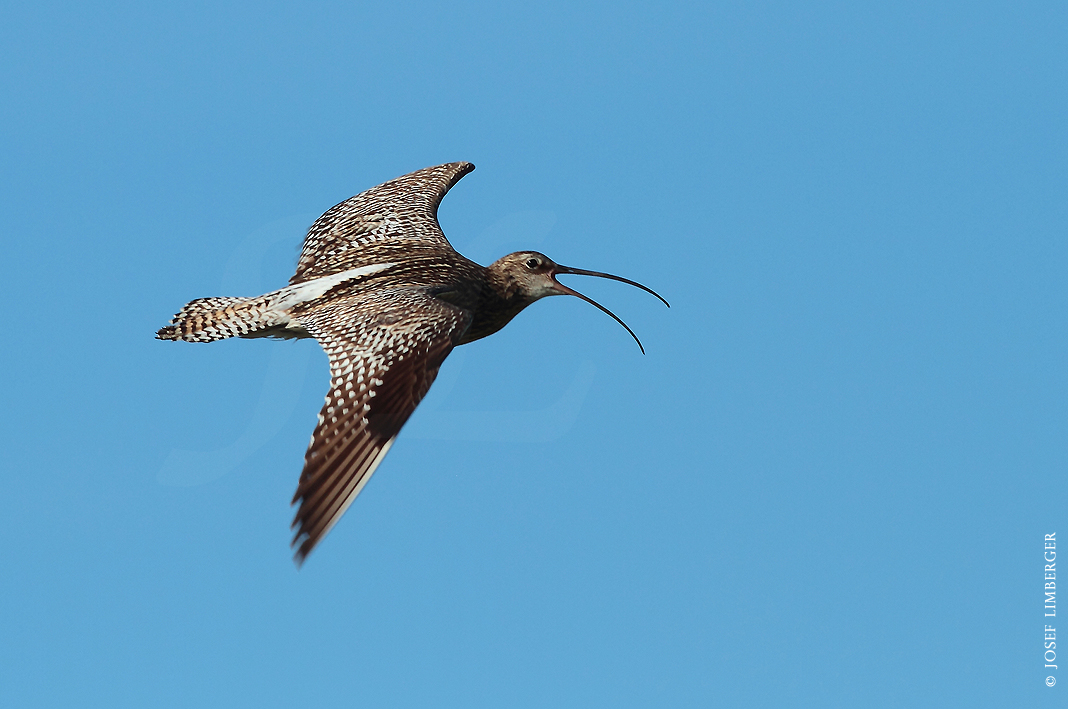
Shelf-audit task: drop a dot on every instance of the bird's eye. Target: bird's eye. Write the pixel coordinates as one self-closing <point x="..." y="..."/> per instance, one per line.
<point x="533" y="263"/>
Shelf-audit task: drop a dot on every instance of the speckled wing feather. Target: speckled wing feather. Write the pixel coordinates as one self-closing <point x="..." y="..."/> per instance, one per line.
<point x="396" y="218"/>
<point x="385" y="347"/>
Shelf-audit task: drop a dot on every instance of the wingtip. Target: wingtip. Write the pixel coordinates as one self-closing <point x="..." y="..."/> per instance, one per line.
<point x="459" y="169"/>
<point x="298" y="560"/>
<point x="304" y="548"/>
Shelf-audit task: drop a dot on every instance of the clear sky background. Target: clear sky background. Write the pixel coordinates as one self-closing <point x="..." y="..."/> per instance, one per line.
<point x="826" y="485"/>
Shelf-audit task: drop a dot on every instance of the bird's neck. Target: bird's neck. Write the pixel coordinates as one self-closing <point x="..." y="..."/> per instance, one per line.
<point x="499" y="301"/>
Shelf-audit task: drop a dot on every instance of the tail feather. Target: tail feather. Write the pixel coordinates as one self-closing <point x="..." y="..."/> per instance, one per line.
<point x="210" y="319"/>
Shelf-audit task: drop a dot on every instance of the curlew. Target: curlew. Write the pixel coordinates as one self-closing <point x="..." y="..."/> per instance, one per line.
<point x="387" y="297"/>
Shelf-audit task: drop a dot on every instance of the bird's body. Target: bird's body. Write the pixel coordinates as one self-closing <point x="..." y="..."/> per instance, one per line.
<point x="386" y="295"/>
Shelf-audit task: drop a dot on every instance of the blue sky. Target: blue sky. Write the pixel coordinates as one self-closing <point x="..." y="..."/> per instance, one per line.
<point x="826" y="484"/>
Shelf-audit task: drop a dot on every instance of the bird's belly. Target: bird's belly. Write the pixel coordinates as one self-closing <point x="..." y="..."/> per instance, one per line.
<point x="291" y="330"/>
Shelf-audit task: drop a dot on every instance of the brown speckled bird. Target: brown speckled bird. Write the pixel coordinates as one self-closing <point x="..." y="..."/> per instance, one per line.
<point x="387" y="297"/>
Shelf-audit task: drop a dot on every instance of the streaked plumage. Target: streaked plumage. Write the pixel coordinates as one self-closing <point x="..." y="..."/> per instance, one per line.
<point x="387" y="297"/>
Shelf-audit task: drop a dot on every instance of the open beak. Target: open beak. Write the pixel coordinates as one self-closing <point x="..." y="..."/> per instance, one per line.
<point x="580" y="272"/>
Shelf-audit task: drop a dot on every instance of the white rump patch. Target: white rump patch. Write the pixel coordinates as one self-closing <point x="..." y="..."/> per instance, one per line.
<point x="299" y="293"/>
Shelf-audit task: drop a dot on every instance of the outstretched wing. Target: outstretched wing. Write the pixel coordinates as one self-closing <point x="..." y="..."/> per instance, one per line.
<point x="397" y="216"/>
<point x="385" y="348"/>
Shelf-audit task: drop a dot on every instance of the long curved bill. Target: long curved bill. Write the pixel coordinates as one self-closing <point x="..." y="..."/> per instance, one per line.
<point x="580" y="272"/>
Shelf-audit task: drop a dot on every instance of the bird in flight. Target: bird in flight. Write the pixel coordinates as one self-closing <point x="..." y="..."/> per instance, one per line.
<point x="387" y="297"/>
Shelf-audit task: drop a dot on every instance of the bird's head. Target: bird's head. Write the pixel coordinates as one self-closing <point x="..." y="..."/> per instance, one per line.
<point x="529" y="275"/>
